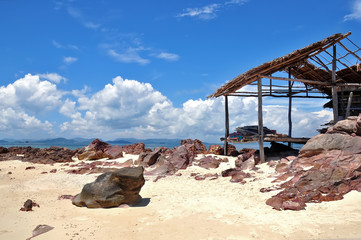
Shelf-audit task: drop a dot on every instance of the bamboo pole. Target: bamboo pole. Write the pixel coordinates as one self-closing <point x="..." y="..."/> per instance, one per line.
<point x="297" y="80"/>
<point x="226" y="125"/>
<point x="289" y="106"/>
<point x="348" y="105"/>
<point x="334" y="88"/>
<point x="260" y="122"/>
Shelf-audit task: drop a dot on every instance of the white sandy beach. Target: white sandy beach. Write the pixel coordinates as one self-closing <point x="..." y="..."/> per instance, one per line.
<point x="175" y="207"/>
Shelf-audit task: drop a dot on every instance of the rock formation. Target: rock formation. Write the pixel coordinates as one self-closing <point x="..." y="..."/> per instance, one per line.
<point x="112" y="189"/>
<point x="328" y="167"/>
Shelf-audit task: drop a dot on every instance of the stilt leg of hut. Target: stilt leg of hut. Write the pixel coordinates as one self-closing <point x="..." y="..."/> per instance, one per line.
<point x="260" y="122"/>
<point x="226" y="125"/>
<point x="334" y="89"/>
<point x="349" y="105"/>
<point x="289" y="107"/>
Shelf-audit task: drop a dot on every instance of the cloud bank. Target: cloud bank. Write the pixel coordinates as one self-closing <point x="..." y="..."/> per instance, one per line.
<point x="129" y="108"/>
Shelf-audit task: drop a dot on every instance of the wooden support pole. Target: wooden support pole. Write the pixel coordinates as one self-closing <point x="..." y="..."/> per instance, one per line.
<point x="260" y="122"/>
<point x="348" y="105"/>
<point x="226" y="125"/>
<point x="289" y="107"/>
<point x="334" y="88"/>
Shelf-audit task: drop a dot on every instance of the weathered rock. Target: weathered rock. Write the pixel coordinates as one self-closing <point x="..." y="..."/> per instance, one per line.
<point x="112" y="189"/>
<point x="208" y="162"/>
<point x="230" y="149"/>
<point x="98" y="149"/>
<point x="248" y="164"/>
<point x="215" y="149"/>
<point x="328" y="167"/>
<point x="136" y="148"/>
<point x="324" y="142"/>
<point x="28" y="205"/>
<point x="199" y="147"/>
<point x="148" y="159"/>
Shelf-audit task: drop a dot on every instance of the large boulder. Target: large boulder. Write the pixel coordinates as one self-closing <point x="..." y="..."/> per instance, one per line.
<point x="112" y="189"/>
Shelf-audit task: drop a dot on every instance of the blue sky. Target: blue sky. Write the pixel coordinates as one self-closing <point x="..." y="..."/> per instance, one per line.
<point x="111" y="69"/>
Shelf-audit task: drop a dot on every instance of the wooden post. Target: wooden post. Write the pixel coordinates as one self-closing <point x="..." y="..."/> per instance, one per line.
<point x="226" y="125"/>
<point x="260" y="122"/>
<point x="289" y="107"/>
<point x="348" y="105"/>
<point x="334" y="89"/>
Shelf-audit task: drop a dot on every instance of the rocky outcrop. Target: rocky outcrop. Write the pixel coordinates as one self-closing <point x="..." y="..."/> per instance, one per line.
<point x="36" y="155"/>
<point x="328" y="167"/>
<point x="199" y="147"/>
<point x="136" y="148"/>
<point x="112" y="189"/>
<point x="98" y="149"/>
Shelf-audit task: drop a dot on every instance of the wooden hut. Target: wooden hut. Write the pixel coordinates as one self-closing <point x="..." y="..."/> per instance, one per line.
<point x="330" y="68"/>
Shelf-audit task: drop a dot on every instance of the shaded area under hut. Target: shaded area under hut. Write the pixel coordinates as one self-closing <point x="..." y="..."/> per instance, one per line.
<point x="330" y="68"/>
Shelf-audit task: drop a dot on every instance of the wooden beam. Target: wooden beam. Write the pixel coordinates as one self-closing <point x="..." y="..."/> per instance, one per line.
<point x="348" y="105"/>
<point x="289" y="106"/>
<point x="260" y="122"/>
<point x="334" y="88"/>
<point x="226" y="125"/>
<point x="353" y="53"/>
<point x="297" y="80"/>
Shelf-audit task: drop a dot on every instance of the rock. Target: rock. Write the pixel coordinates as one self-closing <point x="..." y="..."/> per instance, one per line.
<point x="28" y="205"/>
<point x="36" y="155"/>
<point x="282" y="167"/>
<point x="182" y="156"/>
<point x="148" y="159"/>
<point x="112" y="189"/>
<point x="215" y="149"/>
<point x="348" y="126"/>
<point x="3" y="150"/>
<point x="136" y="148"/>
<point x="98" y="149"/>
<point x="323" y="142"/>
<point x="208" y="162"/>
<point x="199" y="147"/>
<point x="248" y="164"/>
<point x="328" y="167"/>
<point x="231" y="149"/>
<point x="40" y="229"/>
<point x="114" y="151"/>
<point x="246" y="153"/>
<point x="66" y="196"/>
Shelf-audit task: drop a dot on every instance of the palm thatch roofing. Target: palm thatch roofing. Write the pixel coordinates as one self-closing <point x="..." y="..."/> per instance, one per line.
<point x="312" y="63"/>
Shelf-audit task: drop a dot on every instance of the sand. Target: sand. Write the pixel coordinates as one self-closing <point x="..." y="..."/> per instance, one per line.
<point x="175" y="207"/>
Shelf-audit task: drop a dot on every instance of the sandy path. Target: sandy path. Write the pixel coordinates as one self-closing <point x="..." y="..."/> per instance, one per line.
<point x="177" y="207"/>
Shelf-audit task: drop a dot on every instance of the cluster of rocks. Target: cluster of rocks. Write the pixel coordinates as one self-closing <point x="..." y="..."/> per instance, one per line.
<point x="328" y="167"/>
<point x="36" y="155"/>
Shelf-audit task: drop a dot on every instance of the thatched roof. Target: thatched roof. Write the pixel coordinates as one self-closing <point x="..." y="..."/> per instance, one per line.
<point x="297" y="60"/>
